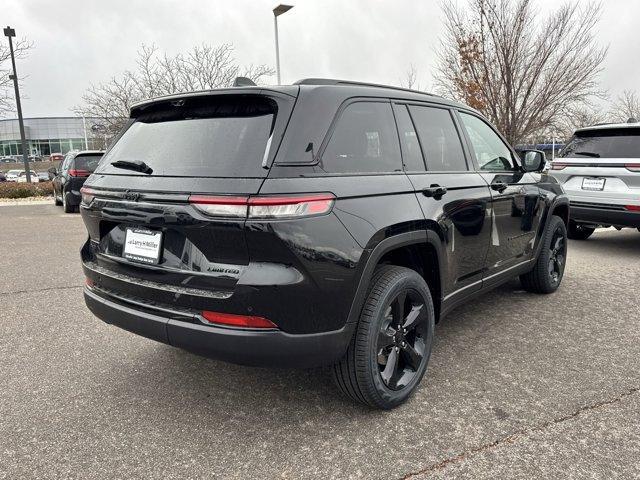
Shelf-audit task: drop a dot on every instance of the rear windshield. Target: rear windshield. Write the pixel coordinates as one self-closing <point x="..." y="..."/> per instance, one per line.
<point x="222" y="137"/>
<point x="86" y="162"/>
<point x="614" y="143"/>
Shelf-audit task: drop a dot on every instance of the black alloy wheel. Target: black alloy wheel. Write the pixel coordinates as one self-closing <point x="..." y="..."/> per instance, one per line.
<point x="389" y="351"/>
<point x="401" y="344"/>
<point x="558" y="254"/>
<point x="547" y="273"/>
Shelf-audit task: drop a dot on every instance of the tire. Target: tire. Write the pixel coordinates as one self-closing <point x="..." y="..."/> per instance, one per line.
<point x="578" y="231"/>
<point x="66" y="206"/>
<point x="365" y="373"/>
<point x="546" y="275"/>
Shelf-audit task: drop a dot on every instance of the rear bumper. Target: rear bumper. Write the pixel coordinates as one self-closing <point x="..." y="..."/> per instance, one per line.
<point x="604" y="214"/>
<point x="241" y="346"/>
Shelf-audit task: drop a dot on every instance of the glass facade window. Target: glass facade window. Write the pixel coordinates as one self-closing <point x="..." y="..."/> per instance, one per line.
<point x="49" y="135"/>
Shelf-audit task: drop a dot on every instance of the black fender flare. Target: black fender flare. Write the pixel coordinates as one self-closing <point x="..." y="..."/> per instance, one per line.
<point x="374" y="256"/>
<point x="558" y="201"/>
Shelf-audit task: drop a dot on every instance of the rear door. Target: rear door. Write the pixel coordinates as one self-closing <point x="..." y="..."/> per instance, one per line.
<point x="203" y="156"/>
<point x="449" y="191"/>
<point x="516" y="204"/>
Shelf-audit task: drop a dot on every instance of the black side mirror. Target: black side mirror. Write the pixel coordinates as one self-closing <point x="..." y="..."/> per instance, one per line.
<point x="533" y="160"/>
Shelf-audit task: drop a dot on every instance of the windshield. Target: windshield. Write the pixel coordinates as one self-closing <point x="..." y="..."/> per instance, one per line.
<point x="87" y="162"/>
<point x="221" y="137"/>
<point x="613" y="143"/>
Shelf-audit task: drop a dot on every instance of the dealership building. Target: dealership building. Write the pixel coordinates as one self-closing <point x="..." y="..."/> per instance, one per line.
<point x="47" y="135"/>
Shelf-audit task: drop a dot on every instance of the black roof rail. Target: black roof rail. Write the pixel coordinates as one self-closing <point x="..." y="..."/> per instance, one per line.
<point x="332" y="81"/>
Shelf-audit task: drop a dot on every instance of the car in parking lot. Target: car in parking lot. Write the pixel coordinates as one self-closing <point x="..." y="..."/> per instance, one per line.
<point x="600" y="171"/>
<point x="12" y="175"/>
<point x="43" y="176"/>
<point x="71" y="175"/>
<point x="7" y="159"/>
<point x="22" y="177"/>
<point x="56" y="157"/>
<point x="320" y="223"/>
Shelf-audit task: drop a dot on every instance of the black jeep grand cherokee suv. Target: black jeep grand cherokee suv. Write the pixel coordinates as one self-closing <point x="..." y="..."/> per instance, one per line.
<point x="321" y="223"/>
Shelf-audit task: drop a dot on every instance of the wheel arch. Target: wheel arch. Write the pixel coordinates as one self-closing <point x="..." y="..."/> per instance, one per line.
<point x="419" y="250"/>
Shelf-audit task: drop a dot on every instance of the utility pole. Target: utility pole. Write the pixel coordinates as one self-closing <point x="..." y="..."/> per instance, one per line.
<point x="10" y="33"/>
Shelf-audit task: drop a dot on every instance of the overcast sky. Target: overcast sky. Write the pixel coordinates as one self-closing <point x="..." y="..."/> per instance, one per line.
<point x="80" y="42"/>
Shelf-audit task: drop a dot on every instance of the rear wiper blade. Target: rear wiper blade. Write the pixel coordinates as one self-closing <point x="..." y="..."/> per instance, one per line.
<point x="589" y="154"/>
<point x="137" y="165"/>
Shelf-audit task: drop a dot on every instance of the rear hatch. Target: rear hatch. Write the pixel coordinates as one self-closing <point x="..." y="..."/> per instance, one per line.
<point x="601" y="165"/>
<point x="156" y="231"/>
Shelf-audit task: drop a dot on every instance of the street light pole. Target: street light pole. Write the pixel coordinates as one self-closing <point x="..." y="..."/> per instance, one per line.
<point x="277" y="11"/>
<point x="9" y="33"/>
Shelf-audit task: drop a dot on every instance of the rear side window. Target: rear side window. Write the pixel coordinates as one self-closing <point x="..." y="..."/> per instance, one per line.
<point x="610" y="143"/>
<point x="86" y="162"/>
<point x="364" y="140"/>
<point x="439" y="139"/>
<point x="209" y="137"/>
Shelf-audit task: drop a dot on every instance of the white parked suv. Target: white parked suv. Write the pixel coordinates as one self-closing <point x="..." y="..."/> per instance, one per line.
<point x="599" y="170"/>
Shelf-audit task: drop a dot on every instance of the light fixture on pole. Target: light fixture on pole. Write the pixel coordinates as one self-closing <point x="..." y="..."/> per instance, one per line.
<point x="277" y="11"/>
<point x="10" y="33"/>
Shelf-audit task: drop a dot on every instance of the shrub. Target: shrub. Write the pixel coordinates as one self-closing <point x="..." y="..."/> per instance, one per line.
<point x="24" y="190"/>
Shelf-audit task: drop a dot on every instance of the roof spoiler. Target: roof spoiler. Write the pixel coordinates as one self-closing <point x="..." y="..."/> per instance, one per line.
<point x="243" y="82"/>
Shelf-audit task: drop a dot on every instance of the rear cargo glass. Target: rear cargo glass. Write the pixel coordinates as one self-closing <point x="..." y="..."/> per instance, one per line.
<point x="86" y="162"/>
<point x="613" y="143"/>
<point x="198" y="137"/>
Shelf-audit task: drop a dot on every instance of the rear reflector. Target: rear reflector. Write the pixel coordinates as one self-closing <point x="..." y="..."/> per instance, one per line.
<point x="88" y="194"/>
<point x="558" y="166"/>
<point x="244" y="321"/>
<point x="633" y="208"/>
<point x="79" y="173"/>
<point x="634" y="167"/>
<point x="289" y="206"/>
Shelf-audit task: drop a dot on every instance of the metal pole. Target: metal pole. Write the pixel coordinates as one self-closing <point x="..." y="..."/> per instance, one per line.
<point x="275" y="24"/>
<point x="23" y="140"/>
<point x="84" y="126"/>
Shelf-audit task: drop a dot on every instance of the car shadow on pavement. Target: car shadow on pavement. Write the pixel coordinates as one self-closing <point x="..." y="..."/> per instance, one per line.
<point x="177" y="383"/>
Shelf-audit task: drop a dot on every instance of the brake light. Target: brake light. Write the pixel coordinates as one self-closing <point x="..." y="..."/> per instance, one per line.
<point x="633" y="208"/>
<point x="78" y="173"/>
<point x="634" y="167"/>
<point x="558" y="166"/>
<point x="289" y="206"/>
<point x="222" y="206"/>
<point x="88" y="194"/>
<point x="244" y="321"/>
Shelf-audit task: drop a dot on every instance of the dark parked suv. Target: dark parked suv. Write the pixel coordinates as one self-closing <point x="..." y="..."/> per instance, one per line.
<point x="71" y="175"/>
<point x="321" y="223"/>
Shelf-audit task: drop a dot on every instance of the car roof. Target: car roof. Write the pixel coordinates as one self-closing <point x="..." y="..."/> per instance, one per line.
<point x="340" y="88"/>
<point x="609" y="126"/>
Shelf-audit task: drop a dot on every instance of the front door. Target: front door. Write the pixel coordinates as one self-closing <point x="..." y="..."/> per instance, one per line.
<point x="516" y="206"/>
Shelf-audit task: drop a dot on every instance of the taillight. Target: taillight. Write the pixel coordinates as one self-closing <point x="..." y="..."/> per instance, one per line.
<point x="290" y="206"/>
<point x="244" y="321"/>
<point x="78" y="173"/>
<point x="558" y="166"/>
<point x="287" y="206"/>
<point x="633" y="208"/>
<point x="634" y="167"/>
<point x="88" y="194"/>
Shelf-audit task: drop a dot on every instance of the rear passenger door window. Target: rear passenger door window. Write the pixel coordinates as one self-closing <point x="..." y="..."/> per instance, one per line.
<point x="364" y="140"/>
<point x="491" y="153"/>
<point x="439" y="138"/>
<point x="411" y="153"/>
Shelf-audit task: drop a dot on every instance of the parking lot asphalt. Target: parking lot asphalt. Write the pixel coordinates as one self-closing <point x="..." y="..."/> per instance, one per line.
<point x="519" y="385"/>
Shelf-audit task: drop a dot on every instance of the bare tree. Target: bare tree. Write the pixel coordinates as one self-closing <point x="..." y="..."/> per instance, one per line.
<point x="626" y="107"/>
<point x="410" y="79"/>
<point x="21" y="49"/>
<point x="524" y="72"/>
<point x="156" y="74"/>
